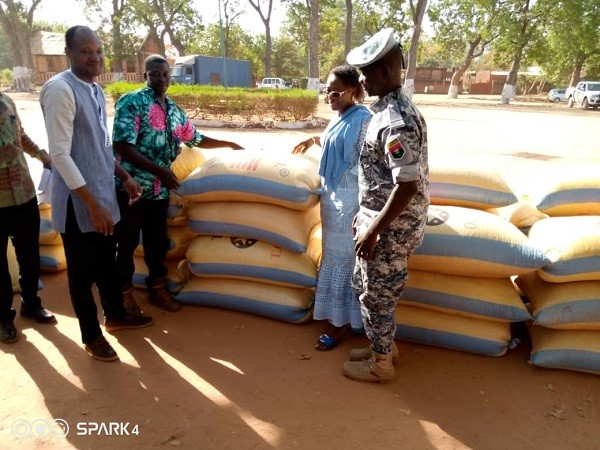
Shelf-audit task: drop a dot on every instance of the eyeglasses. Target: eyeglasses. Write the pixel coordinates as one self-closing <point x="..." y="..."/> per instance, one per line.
<point x="336" y="94"/>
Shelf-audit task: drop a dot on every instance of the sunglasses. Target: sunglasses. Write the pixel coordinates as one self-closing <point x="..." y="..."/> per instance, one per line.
<point x="336" y="94"/>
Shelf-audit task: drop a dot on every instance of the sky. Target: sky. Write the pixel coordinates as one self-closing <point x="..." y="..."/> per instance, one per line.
<point x="70" y="12"/>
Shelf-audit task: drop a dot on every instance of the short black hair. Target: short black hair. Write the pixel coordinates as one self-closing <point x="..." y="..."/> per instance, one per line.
<point x="350" y="76"/>
<point x="71" y="32"/>
<point x="154" y="59"/>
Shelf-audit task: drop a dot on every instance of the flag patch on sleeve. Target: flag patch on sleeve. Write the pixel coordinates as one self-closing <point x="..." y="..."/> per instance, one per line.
<point x="395" y="148"/>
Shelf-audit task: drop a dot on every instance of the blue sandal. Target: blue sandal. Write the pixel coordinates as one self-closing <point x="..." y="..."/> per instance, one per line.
<point x="327" y="343"/>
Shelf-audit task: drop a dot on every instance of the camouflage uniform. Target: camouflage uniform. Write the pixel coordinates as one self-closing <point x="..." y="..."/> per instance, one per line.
<point x="395" y="149"/>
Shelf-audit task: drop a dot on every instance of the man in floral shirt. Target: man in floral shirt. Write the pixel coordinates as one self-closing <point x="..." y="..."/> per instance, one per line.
<point x="19" y="220"/>
<point x="147" y="133"/>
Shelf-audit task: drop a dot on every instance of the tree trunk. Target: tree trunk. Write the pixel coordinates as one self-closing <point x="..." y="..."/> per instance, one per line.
<point x="18" y="28"/>
<point x="313" y="47"/>
<point x="348" y="32"/>
<point x="266" y="20"/>
<point x="117" y="40"/>
<point x="411" y="69"/>
<point x="510" y="86"/>
<point x="455" y="87"/>
<point x="576" y="74"/>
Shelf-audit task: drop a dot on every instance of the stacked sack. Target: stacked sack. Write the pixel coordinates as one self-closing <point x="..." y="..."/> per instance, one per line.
<point x="459" y="293"/>
<point x="13" y="267"/>
<point x="52" y="252"/>
<point x="565" y="295"/>
<point x="257" y="249"/>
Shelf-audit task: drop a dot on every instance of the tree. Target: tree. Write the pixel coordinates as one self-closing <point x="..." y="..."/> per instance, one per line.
<point x="520" y="24"/>
<point x="348" y="34"/>
<point x="417" y="12"/>
<point x="464" y="28"/>
<point x="265" y="17"/>
<point x="313" y="44"/>
<point x="5" y="59"/>
<point x="231" y="11"/>
<point x="572" y="39"/>
<point x="17" y="21"/>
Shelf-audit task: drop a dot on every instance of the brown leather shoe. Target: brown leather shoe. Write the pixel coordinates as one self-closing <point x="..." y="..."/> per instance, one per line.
<point x="131" y="306"/>
<point x="160" y="297"/>
<point x="127" y="323"/>
<point x="101" y="350"/>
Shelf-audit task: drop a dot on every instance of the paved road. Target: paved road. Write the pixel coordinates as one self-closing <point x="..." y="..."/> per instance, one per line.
<point x="527" y="145"/>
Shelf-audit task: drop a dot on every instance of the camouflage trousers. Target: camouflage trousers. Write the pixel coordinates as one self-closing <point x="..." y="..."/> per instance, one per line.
<point x="378" y="283"/>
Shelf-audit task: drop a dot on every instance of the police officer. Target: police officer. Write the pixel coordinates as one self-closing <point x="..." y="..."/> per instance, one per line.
<point x="394" y="197"/>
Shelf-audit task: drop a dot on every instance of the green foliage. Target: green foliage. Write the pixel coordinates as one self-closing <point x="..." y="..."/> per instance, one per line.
<point x="5" y="59"/>
<point x="571" y="38"/>
<point x="6" y="77"/>
<point x="432" y="54"/>
<point x="201" y="101"/>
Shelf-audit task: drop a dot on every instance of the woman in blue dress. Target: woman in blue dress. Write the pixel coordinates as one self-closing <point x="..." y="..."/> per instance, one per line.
<point x="341" y="143"/>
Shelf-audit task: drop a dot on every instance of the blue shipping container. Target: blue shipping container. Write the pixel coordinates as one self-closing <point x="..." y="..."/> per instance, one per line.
<point x="197" y="69"/>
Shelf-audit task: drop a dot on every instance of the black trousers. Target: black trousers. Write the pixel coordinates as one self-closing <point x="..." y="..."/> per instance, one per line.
<point x="149" y="217"/>
<point x="91" y="259"/>
<point x="22" y="224"/>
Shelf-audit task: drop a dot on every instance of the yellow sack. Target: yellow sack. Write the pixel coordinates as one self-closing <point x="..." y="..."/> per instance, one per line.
<point x="249" y="259"/>
<point x="458" y="333"/>
<point x="267" y="300"/>
<point x="576" y="193"/>
<point x="176" y="211"/>
<point x="48" y="236"/>
<point x="179" y="240"/>
<point x="565" y="306"/>
<point x="188" y="160"/>
<point x="469" y="182"/>
<point x="572" y="245"/>
<point x="52" y="258"/>
<point x="481" y="298"/>
<point x="315" y="244"/>
<point x="13" y="267"/>
<point x="469" y="242"/>
<point x="265" y="222"/>
<point x="565" y="349"/>
<point x="255" y="176"/>
<point x="177" y="276"/>
<point x="525" y="215"/>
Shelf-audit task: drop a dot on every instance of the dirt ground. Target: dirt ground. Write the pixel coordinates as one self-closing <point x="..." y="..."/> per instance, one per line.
<point x="216" y="379"/>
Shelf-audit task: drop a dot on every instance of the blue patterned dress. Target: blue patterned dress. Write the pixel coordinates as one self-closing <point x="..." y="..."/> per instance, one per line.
<point x="341" y="141"/>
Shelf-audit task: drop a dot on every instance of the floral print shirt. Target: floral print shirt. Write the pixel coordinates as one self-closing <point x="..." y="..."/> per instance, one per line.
<point x="141" y="121"/>
<point x="16" y="186"/>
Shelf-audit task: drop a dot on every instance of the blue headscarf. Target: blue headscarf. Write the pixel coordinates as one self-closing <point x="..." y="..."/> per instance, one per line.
<point x="340" y="144"/>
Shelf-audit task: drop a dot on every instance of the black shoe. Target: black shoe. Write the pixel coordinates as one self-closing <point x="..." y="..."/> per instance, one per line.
<point x="40" y="314"/>
<point x="128" y="323"/>
<point x="100" y="349"/>
<point x="8" y="332"/>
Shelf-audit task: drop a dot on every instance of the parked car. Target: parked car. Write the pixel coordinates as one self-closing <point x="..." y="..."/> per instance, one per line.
<point x="273" y="83"/>
<point x="586" y="94"/>
<point x="557" y="95"/>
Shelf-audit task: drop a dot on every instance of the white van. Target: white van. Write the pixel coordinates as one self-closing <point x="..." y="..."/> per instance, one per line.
<point x="272" y="83"/>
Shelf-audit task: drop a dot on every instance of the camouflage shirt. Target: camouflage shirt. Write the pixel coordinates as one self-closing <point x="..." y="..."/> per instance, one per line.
<point x="395" y="150"/>
<point x="156" y="133"/>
